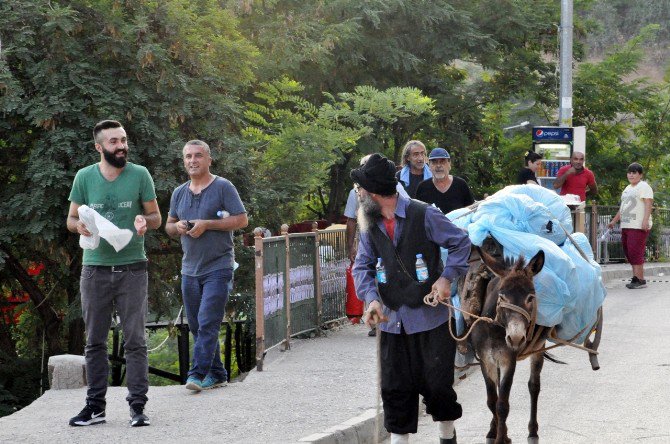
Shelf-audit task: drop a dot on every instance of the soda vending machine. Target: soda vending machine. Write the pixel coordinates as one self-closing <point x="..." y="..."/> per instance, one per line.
<point x="555" y="144"/>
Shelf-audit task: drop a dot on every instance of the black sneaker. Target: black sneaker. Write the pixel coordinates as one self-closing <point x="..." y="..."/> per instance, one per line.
<point x="372" y="332"/>
<point x="137" y="416"/>
<point x="90" y="415"/>
<point x="637" y="283"/>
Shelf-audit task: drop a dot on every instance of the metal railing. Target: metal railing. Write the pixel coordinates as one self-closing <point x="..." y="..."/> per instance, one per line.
<point x="610" y="249"/>
<point x="300" y="285"/>
<point x="238" y="340"/>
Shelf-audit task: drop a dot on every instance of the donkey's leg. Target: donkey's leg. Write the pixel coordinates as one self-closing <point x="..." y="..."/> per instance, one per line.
<point x="536" y="362"/>
<point x="502" y="406"/>
<point x="490" y="373"/>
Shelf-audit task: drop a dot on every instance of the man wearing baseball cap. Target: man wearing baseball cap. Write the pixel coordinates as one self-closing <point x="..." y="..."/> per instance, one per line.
<point x="447" y="192"/>
<point x="417" y="350"/>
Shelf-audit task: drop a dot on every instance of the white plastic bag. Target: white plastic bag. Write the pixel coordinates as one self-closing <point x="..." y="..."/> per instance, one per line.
<point x="99" y="227"/>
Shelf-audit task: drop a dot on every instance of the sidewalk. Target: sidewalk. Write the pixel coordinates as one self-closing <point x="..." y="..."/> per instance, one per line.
<point x="322" y="391"/>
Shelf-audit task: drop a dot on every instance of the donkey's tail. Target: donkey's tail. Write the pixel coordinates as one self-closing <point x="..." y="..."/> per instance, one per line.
<point x="551" y="358"/>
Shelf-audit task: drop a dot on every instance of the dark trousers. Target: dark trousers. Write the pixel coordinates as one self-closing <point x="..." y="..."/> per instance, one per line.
<point x="103" y="292"/>
<point x="413" y="365"/>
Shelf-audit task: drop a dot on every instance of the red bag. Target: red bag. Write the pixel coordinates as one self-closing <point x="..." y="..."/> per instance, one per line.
<point x="354" y="306"/>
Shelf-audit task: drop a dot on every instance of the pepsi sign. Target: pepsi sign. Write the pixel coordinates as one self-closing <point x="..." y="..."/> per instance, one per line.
<point x="556" y="133"/>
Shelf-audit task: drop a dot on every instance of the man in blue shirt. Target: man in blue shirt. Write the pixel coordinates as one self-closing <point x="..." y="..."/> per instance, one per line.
<point x="204" y="212"/>
<point x="417" y="349"/>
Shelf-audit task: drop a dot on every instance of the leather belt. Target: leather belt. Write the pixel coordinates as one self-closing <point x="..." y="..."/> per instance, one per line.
<point x="137" y="266"/>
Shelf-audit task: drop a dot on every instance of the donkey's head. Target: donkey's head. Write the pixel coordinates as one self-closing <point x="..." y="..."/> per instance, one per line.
<point x="516" y="303"/>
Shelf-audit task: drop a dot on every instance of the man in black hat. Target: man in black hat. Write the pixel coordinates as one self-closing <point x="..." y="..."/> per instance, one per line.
<point x="416" y="348"/>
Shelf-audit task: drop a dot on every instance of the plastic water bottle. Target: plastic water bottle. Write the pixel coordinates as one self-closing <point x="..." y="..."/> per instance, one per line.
<point x="605" y="236"/>
<point x="222" y="214"/>
<point x="421" y="268"/>
<point x="381" y="271"/>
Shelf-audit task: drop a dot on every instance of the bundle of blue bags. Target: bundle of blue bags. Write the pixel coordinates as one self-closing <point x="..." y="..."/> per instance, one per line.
<point x="525" y="219"/>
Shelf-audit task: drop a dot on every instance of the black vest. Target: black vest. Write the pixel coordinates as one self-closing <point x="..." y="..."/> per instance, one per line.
<point x="402" y="286"/>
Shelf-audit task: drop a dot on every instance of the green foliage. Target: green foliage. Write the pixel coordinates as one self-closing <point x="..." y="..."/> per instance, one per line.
<point x="19" y="382"/>
<point x="290" y="94"/>
<point x="288" y="130"/>
<point x="625" y="118"/>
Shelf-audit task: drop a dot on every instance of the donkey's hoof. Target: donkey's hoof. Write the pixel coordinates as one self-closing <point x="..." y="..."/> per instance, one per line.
<point x="490" y="440"/>
<point x="533" y="440"/>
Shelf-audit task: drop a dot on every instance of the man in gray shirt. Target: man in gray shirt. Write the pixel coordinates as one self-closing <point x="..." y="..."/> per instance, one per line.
<point x="203" y="213"/>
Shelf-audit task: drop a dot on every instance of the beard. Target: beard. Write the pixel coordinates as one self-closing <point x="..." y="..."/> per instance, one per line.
<point x="116" y="162"/>
<point x="368" y="212"/>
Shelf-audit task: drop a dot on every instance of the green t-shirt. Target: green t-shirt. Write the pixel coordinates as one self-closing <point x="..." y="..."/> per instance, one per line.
<point x="119" y="202"/>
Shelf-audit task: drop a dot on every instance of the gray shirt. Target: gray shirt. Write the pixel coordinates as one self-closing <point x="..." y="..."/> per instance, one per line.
<point x="213" y="250"/>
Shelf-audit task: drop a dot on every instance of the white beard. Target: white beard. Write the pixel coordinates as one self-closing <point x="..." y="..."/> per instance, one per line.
<point x="367" y="214"/>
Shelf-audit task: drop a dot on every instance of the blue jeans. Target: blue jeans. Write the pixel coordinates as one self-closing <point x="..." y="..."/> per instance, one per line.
<point x="205" y="300"/>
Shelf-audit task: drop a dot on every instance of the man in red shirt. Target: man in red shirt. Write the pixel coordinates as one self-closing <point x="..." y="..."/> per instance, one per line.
<point x="576" y="178"/>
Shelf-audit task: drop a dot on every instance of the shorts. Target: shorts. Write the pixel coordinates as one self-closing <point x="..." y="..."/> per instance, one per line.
<point x="634" y="242"/>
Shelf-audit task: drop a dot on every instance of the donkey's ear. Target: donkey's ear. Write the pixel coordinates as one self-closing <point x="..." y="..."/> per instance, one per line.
<point x="536" y="263"/>
<point x="492" y="263"/>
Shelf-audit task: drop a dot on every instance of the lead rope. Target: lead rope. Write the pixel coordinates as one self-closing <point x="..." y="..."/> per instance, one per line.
<point x="432" y="300"/>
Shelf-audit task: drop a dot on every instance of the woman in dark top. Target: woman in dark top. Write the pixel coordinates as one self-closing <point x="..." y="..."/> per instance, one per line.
<point x="532" y="163"/>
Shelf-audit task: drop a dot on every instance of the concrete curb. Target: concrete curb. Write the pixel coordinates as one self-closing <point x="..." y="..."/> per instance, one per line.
<point x="361" y="429"/>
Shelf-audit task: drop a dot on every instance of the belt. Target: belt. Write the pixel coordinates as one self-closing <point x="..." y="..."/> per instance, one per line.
<point x="137" y="266"/>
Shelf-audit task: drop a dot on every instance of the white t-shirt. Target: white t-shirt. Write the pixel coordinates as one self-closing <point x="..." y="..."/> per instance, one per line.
<point x="632" y="205"/>
<point x="352" y="201"/>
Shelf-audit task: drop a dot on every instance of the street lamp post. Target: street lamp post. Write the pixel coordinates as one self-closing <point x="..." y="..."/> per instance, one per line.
<point x="520" y="125"/>
<point x="565" y="99"/>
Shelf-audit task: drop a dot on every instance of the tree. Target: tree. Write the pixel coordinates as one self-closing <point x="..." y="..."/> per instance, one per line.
<point x="288" y="130"/>
<point x="171" y="71"/>
<point x="616" y="112"/>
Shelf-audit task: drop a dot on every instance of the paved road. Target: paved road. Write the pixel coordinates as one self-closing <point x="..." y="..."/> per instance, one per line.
<point x="317" y="384"/>
<point x="321" y="386"/>
<point x="627" y="400"/>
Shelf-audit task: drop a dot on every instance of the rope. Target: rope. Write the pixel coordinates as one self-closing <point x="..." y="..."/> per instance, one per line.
<point x="169" y="332"/>
<point x="432" y="300"/>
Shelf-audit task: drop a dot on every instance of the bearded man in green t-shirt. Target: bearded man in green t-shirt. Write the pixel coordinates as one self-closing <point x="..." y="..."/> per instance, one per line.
<point x="112" y="281"/>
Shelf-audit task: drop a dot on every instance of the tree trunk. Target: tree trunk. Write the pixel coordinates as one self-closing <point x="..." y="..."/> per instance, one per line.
<point x="337" y="195"/>
<point x="50" y="318"/>
<point x="7" y="344"/>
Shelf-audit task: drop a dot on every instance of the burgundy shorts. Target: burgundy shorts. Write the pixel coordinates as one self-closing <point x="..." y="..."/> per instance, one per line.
<point x="634" y="243"/>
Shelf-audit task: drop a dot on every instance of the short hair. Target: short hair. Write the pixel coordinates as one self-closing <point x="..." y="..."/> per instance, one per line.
<point x="531" y="156"/>
<point x="197" y="142"/>
<point x="408" y="147"/>
<point x="103" y="125"/>
<point x="364" y="159"/>
<point x="635" y="168"/>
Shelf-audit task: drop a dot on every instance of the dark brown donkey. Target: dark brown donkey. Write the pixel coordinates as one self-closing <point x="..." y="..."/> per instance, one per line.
<point x="510" y="300"/>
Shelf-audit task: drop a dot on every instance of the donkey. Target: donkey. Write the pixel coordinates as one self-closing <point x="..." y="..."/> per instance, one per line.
<point x="510" y="300"/>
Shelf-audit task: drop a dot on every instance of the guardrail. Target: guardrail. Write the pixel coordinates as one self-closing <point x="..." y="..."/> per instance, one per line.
<point x="300" y="285"/>
<point x="610" y="249"/>
<point x="238" y="340"/>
